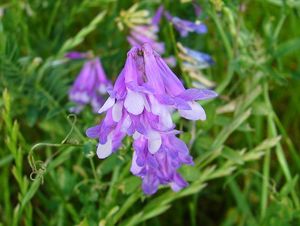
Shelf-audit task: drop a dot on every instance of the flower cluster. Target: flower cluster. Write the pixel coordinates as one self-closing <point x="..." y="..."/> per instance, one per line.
<point x="147" y="33"/>
<point x="90" y="85"/>
<point x="140" y="105"/>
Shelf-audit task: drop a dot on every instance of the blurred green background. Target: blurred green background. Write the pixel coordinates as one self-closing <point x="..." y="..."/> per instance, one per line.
<point x="246" y="152"/>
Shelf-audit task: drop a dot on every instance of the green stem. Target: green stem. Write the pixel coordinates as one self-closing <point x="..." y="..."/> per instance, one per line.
<point x="279" y="151"/>
<point x="94" y="169"/>
<point x="228" y="49"/>
<point x="224" y="38"/>
<point x="128" y="203"/>
<point x="112" y="188"/>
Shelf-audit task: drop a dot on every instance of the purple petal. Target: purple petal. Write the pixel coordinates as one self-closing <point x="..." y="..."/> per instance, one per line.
<point x="150" y="184"/>
<point x="178" y="183"/>
<point x="197" y="94"/>
<point x="130" y="68"/>
<point x="75" y="55"/>
<point x="99" y="70"/>
<point x="93" y="132"/>
<point x="198" y="9"/>
<point x="119" y="89"/>
<point x="142" y="89"/>
<point x="158" y="14"/>
<point x="165" y="99"/>
<point x="181" y="104"/>
<point x="171" y="82"/>
<point x="199" y="56"/>
<point x="151" y="68"/>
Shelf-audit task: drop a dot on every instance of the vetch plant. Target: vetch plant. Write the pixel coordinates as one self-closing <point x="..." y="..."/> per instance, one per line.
<point x="247" y="148"/>
<point x="141" y="105"/>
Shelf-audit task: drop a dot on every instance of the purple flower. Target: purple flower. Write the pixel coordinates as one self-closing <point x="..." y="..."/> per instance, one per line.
<point x="194" y="59"/>
<point x="199" y="56"/>
<point x="76" y="55"/>
<point x="185" y="26"/>
<point x="140" y="105"/>
<point x="158" y="15"/>
<point x="90" y="85"/>
<point x="160" y="167"/>
<point x="197" y="8"/>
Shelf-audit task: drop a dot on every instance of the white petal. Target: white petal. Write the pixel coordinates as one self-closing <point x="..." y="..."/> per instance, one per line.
<point x="126" y="124"/>
<point x="107" y="105"/>
<point x="117" y="111"/>
<point x="165" y="118"/>
<point x="136" y="135"/>
<point x="154" y="141"/>
<point x="155" y="105"/>
<point x="102" y="89"/>
<point x="147" y="107"/>
<point x="80" y="96"/>
<point x="135" y="168"/>
<point x="83" y="97"/>
<point x="104" y="150"/>
<point x="162" y="111"/>
<point x="134" y="103"/>
<point x="196" y="113"/>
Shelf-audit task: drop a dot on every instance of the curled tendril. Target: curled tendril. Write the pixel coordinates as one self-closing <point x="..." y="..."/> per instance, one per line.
<point x="39" y="167"/>
<point x="39" y="171"/>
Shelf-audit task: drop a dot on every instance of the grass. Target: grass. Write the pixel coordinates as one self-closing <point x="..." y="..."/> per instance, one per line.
<point x="246" y="152"/>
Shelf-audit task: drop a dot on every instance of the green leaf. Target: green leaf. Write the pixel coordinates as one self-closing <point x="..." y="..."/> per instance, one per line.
<point x="84" y="222"/>
<point x="155" y="212"/>
<point x="190" y="173"/>
<point x="224" y="121"/>
<point x="130" y="184"/>
<point x="31" y="192"/>
<point x="226" y="131"/>
<point x="232" y="155"/>
<point x="289" y="186"/>
<point x="5" y="160"/>
<point x="79" y="38"/>
<point x="108" y="164"/>
<point x="288" y="47"/>
<point x="290" y="3"/>
<point x="267" y="144"/>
